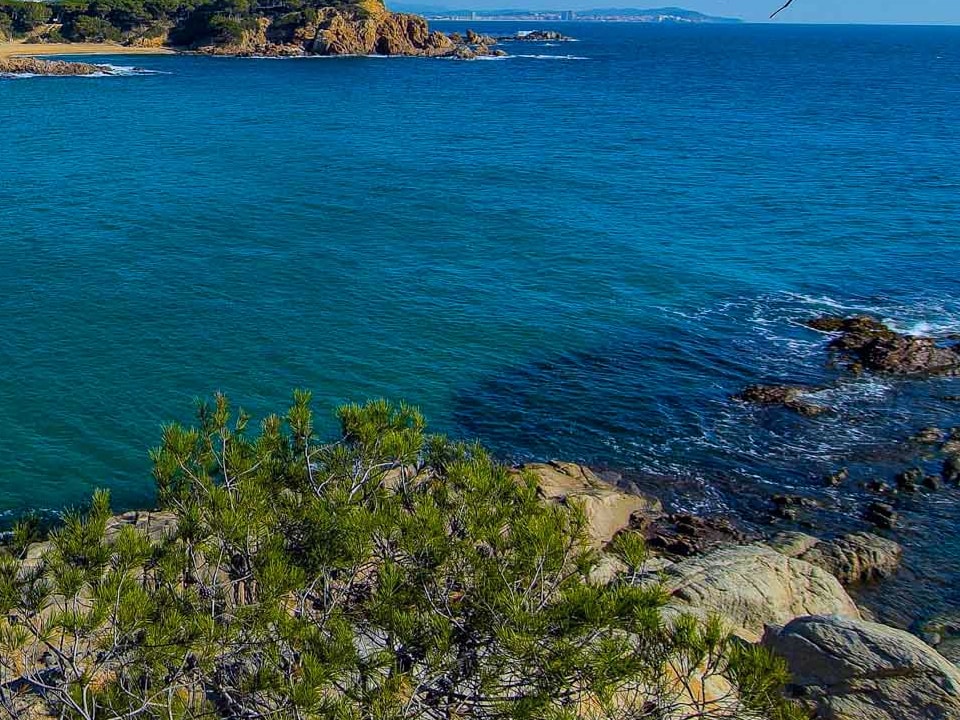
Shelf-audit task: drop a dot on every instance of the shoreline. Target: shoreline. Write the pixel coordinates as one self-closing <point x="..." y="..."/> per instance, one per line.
<point x="18" y="48"/>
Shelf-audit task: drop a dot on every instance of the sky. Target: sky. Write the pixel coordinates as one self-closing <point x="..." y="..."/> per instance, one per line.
<point x="836" y="11"/>
<point x="802" y="11"/>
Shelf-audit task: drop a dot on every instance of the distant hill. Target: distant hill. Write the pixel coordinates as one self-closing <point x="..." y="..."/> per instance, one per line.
<point x="649" y="15"/>
<point x="666" y="14"/>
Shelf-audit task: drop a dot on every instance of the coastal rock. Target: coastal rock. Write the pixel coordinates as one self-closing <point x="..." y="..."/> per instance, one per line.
<point x="943" y="633"/>
<point x="852" y="559"/>
<point x="837" y="478"/>
<point x="377" y="32"/>
<point x="872" y="345"/>
<point x="682" y="535"/>
<point x="363" y="28"/>
<point x="848" y="669"/>
<point x="788" y="396"/>
<point x="537" y="36"/>
<point x="754" y="586"/>
<point x="882" y="515"/>
<point x="928" y="436"/>
<point x="155" y="525"/>
<point x="33" y="66"/>
<point x="951" y="469"/>
<point x="608" y="510"/>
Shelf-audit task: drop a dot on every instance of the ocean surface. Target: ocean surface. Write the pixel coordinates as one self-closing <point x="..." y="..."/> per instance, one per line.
<point x="579" y="251"/>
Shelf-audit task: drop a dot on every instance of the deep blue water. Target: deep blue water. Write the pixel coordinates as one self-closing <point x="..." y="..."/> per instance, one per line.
<point x="578" y="256"/>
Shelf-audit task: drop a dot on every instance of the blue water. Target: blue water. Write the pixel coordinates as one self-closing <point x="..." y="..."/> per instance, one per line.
<point x="579" y="251"/>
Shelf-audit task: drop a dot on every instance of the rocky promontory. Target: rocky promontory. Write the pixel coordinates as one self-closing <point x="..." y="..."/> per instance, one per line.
<point x="368" y="28"/>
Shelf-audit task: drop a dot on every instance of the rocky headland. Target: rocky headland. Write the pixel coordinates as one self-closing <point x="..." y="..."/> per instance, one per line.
<point x="367" y="29"/>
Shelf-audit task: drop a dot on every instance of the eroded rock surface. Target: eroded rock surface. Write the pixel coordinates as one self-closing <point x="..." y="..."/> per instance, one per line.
<point x="848" y="669"/>
<point x="608" y="509"/>
<point x="753" y="586"/>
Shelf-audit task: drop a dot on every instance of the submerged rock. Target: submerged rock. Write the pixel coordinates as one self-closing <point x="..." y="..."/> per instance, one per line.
<point x="942" y="633"/>
<point x="789" y="396"/>
<point x="882" y="515"/>
<point x="849" y="669"/>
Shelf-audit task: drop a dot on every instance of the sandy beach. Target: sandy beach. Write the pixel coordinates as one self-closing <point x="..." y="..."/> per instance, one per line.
<point x="16" y="47"/>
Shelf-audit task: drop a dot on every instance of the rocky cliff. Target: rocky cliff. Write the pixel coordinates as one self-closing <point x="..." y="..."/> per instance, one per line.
<point x="367" y="28"/>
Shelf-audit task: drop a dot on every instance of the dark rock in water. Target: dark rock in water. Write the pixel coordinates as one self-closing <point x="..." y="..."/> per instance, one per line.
<point x="684" y="535"/>
<point x="837" y="478"/>
<point x="871" y="345"/>
<point x="931" y="482"/>
<point x="537" y="36"/>
<point x="788" y="396"/>
<point x="951" y="469"/>
<point x="882" y="515"/>
<point x="909" y="480"/>
<point x="928" y="436"/>
<point x="952" y="445"/>
<point x="941" y="632"/>
<point x="878" y="486"/>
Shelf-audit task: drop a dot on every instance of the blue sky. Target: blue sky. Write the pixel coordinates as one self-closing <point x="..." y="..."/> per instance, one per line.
<point x="805" y="11"/>
<point x="843" y="11"/>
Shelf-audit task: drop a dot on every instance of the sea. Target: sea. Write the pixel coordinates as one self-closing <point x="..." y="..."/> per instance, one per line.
<point x="579" y="251"/>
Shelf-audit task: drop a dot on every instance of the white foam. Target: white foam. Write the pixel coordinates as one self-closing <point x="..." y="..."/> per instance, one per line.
<point x="552" y="57"/>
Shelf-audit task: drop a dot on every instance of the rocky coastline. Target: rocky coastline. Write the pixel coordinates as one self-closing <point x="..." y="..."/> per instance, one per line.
<point x="53" y="68"/>
<point x="790" y="592"/>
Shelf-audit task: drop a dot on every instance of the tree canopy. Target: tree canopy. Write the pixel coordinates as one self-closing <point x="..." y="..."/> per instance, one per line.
<point x="386" y="574"/>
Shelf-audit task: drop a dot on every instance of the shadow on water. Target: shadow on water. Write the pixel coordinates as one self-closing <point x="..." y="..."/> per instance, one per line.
<point x="654" y="404"/>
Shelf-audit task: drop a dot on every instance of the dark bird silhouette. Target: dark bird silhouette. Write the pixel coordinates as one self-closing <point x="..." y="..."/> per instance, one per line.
<point x="787" y="4"/>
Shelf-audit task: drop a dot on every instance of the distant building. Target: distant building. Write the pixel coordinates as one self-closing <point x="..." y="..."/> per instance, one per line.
<point x="568" y="15"/>
<point x="473" y="14"/>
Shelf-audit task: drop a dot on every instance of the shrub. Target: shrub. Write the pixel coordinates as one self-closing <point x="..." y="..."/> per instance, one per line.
<point x="388" y="574"/>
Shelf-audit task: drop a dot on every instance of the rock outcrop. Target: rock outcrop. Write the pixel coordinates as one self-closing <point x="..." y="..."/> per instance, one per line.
<point x="791" y="397"/>
<point x="683" y="535"/>
<point x="852" y="559"/>
<point x="608" y="510"/>
<point x="366" y="28"/>
<point x="754" y="586"/>
<point x="848" y="669"/>
<point x="871" y="345"/>
<point x="33" y="66"/>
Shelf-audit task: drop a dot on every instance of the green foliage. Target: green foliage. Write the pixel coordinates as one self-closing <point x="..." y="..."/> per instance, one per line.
<point x="90" y="28"/>
<point x="388" y="574"/>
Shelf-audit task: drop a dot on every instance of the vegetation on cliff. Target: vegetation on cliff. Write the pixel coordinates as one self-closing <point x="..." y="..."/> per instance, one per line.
<point x="386" y="574"/>
<point x="271" y="27"/>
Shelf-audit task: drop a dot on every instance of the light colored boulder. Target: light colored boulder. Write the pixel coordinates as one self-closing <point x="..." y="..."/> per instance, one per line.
<point x="155" y="525"/>
<point x="608" y="509"/>
<point x="753" y="586"/>
<point x="846" y="669"/>
<point x="855" y="558"/>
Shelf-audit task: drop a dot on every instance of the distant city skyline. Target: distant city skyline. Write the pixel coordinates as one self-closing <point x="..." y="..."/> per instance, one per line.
<point x="802" y="11"/>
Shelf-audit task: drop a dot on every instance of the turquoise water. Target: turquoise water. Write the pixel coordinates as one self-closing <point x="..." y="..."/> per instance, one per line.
<point x="580" y="251"/>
